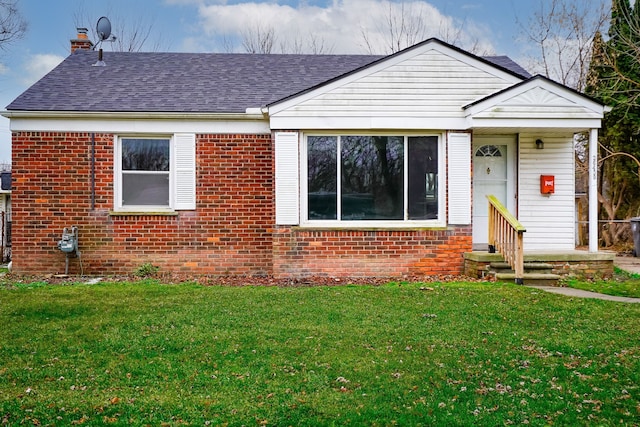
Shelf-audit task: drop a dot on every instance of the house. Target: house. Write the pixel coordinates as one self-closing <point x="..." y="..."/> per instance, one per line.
<point x="292" y="165"/>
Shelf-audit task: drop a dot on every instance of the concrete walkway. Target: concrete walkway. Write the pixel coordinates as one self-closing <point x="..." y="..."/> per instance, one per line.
<point x="579" y="293"/>
<point x="627" y="263"/>
<point x="630" y="264"/>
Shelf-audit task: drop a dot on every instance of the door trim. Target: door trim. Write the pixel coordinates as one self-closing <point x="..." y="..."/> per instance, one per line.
<point x="511" y="141"/>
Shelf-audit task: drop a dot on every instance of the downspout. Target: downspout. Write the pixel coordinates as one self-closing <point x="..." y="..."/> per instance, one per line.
<point x="93" y="171"/>
<point x="593" y="190"/>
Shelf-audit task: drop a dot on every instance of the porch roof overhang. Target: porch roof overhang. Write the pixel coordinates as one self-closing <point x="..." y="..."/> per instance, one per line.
<point x="543" y="127"/>
<point x="536" y="104"/>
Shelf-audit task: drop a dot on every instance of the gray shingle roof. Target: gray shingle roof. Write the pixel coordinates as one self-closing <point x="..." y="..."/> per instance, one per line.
<point x="507" y="63"/>
<point x="179" y="82"/>
<point x="187" y="82"/>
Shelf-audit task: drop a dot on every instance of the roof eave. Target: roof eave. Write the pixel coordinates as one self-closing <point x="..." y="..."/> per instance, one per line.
<point x="250" y="114"/>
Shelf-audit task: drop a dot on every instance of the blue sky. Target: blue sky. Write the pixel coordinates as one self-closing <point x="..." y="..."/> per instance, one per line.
<point x="492" y="26"/>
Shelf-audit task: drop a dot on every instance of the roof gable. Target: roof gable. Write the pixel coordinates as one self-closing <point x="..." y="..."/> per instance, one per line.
<point x="536" y="98"/>
<point x="431" y="66"/>
<point x="424" y="87"/>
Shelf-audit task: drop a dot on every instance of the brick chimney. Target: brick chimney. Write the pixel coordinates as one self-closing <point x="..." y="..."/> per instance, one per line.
<point x="82" y="42"/>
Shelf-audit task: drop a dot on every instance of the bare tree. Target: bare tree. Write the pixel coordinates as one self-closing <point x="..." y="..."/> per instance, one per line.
<point x="132" y="34"/>
<point x="135" y="37"/>
<point x="562" y="32"/>
<point x="12" y="24"/>
<point x="258" y="39"/>
<point x="228" y="45"/>
<point x="614" y="79"/>
<point x="405" y="24"/>
<point x="312" y="44"/>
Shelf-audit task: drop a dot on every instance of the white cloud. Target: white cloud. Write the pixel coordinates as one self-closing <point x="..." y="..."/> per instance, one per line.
<point x="3" y="69"/>
<point x="38" y="65"/>
<point x="345" y="26"/>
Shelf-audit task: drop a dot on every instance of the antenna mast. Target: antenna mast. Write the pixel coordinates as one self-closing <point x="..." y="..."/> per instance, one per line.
<point x="103" y="30"/>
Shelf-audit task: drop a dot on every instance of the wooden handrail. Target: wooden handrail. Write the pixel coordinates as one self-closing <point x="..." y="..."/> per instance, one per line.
<point x="506" y="236"/>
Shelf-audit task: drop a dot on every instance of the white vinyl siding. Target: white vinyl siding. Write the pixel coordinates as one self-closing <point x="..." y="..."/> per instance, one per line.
<point x="431" y="84"/>
<point x="538" y="103"/>
<point x="549" y="220"/>
<point x="184" y="169"/>
<point x="459" y="166"/>
<point x="286" y="179"/>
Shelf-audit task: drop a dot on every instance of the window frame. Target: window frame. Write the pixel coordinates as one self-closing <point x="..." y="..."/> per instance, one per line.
<point x="440" y="221"/>
<point x="118" y="180"/>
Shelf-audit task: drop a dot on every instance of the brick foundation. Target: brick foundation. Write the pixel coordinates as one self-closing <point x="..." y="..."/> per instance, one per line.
<point x="300" y="252"/>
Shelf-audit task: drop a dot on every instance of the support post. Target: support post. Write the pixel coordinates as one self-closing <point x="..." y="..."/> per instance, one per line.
<point x="593" y="190"/>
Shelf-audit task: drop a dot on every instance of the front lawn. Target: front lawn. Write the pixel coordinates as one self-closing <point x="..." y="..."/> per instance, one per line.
<point x="622" y="284"/>
<point x="407" y="354"/>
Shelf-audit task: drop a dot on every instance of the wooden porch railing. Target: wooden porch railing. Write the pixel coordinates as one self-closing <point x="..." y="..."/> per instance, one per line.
<point x="506" y="236"/>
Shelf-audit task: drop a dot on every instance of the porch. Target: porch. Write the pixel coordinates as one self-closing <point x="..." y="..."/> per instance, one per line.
<point x="540" y="267"/>
<point x="506" y="257"/>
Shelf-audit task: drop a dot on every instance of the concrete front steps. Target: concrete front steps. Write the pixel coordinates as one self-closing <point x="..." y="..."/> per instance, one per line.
<point x="544" y="268"/>
<point x="535" y="273"/>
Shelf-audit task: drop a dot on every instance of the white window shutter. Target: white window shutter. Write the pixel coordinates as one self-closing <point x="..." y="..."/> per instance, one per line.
<point x="287" y="196"/>
<point x="184" y="165"/>
<point x="459" y="167"/>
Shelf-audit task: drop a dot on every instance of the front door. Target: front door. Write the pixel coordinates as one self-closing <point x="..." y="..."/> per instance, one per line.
<point x="493" y="174"/>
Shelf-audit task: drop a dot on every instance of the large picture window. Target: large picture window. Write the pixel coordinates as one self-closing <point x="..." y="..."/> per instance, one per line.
<point x="372" y="178"/>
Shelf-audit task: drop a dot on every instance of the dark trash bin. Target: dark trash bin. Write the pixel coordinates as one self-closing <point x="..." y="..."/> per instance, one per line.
<point x="635" y="229"/>
<point x="5" y="181"/>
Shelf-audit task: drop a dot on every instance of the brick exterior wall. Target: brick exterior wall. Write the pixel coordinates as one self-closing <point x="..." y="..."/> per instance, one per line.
<point x="231" y="232"/>
<point x="370" y="253"/>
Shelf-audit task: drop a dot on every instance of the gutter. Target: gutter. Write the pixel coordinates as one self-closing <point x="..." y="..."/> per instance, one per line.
<point x="250" y="114"/>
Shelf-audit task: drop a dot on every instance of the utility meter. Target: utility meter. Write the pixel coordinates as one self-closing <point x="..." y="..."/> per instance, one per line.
<point x="69" y="241"/>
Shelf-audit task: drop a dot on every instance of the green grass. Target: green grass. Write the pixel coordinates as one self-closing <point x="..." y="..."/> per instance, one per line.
<point x="447" y="354"/>
<point x="623" y="284"/>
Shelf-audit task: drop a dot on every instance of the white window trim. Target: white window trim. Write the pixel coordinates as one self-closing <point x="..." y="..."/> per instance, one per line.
<point x="117" y="179"/>
<point x="440" y="222"/>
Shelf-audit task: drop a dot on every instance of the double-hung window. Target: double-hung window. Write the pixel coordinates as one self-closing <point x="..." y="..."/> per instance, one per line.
<point x="385" y="179"/>
<point x="155" y="173"/>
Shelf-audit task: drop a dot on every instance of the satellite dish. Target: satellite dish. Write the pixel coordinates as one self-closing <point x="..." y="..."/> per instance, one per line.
<point x="103" y="28"/>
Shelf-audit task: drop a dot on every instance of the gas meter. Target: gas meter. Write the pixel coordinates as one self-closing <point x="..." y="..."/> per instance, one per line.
<point x="69" y="241"/>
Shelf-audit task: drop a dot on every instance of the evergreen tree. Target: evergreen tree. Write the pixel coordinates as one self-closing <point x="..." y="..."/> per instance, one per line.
<point x="599" y="69"/>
